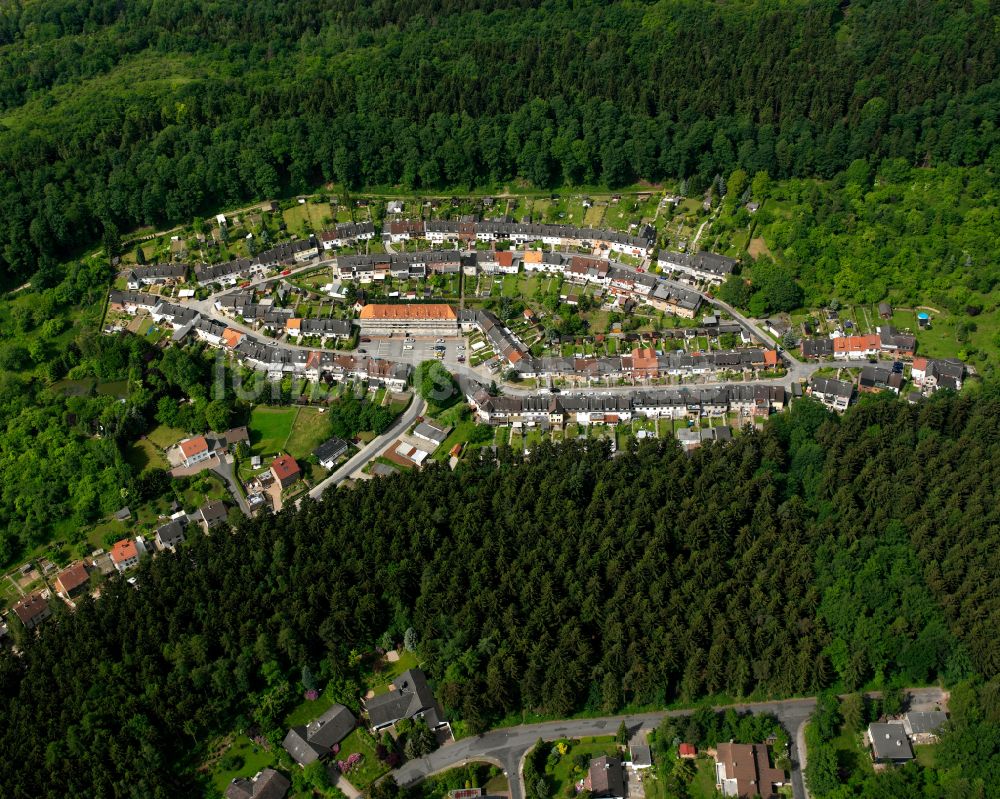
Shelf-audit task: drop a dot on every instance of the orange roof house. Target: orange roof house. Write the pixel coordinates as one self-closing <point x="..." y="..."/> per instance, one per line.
<point x="411" y="312"/>
<point x="293" y="324"/>
<point x="285" y="470"/>
<point x="532" y="257"/>
<point x="124" y="551"/>
<point x="194" y="450"/>
<point x="505" y="258"/>
<point x="231" y="337"/>
<point x="644" y="362"/>
<point x="770" y="358"/>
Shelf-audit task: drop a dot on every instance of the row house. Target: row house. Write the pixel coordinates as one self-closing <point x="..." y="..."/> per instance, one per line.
<point x="588" y="270"/>
<point x="542" y="261"/>
<point x="493" y="262"/>
<point x="835" y="394"/>
<point x="703" y="266"/>
<point x="931" y="374"/>
<point x="325" y="328"/>
<point x="346" y="234"/>
<point x="231" y="272"/>
<point x="856" y="348"/>
<point x="675" y="299"/>
<point x="155" y="275"/>
<point x="405" y="229"/>
<point x="132" y="302"/>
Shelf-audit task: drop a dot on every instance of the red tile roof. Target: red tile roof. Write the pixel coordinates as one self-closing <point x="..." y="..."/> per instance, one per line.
<point x="194" y="446"/>
<point x="687" y="750"/>
<point x="505" y="258"/>
<point x="124" y="550"/>
<point x="284" y="466"/>
<point x="430" y="311"/>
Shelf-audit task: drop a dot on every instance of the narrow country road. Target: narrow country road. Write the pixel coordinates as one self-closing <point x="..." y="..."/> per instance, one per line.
<point x="373" y="449"/>
<point x="507" y="747"/>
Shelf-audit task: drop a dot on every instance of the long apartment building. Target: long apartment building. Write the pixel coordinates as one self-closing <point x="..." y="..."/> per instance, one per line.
<point x="231" y="272"/>
<point x="607" y="408"/>
<point x="639" y="244"/>
<point x="402" y="265"/>
<point x="425" y="319"/>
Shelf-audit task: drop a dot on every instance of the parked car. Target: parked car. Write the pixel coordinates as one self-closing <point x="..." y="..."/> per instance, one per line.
<point x="286" y="272"/>
<point x="362" y="351"/>
<point x="461" y="359"/>
<point x="440" y="341"/>
<point x="365" y="340"/>
<point x="407" y="346"/>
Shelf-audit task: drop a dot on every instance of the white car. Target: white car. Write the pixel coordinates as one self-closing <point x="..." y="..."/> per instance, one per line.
<point x="440" y="341"/>
<point x="407" y="346"/>
<point x="461" y="347"/>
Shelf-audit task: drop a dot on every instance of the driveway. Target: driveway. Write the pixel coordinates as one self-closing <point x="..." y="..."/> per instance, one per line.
<point x="507" y="747"/>
<point x="224" y="469"/>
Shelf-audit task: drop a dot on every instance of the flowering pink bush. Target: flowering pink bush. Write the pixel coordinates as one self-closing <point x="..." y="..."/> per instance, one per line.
<point x="346" y="765"/>
<point x="336" y="748"/>
<point x="312" y="694"/>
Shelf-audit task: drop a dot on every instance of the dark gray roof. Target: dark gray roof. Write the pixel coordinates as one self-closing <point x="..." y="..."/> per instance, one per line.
<point x="267" y="784"/>
<point x="607" y="778"/>
<point x="170" y="534"/>
<point x="332" y="448"/>
<point x="310" y="742"/>
<point x="411" y="697"/>
<point x="641" y="756"/>
<point x="889" y="742"/>
<point x="212" y="511"/>
<point x="430" y="431"/>
<point x="924" y="722"/>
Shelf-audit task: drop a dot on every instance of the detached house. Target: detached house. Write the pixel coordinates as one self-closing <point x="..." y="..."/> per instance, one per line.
<point x="195" y="450"/>
<point x="72" y="581"/>
<point x="409" y="696"/>
<point x="285" y="470"/>
<point x="127" y="553"/>
<point x="32" y="610"/>
<point x="266" y="784"/>
<point x="889" y="743"/>
<point x="745" y="771"/>
<point x="605" y="778"/>
<point x="170" y="535"/>
<point x="316" y="739"/>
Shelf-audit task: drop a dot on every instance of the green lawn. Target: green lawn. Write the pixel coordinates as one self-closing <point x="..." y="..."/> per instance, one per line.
<point x="379" y="681"/>
<point x="143" y="454"/>
<point x="164" y="437"/>
<point x="309" y="430"/>
<point x="270" y="428"/>
<point x="926" y="755"/>
<point x="254" y="757"/>
<point x="370" y="768"/>
<point x="565" y="773"/>
<point x="851" y="756"/>
<point x="306" y="711"/>
<point x="703" y="784"/>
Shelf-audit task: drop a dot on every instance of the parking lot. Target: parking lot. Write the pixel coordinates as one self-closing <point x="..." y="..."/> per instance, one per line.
<point x="422" y="348"/>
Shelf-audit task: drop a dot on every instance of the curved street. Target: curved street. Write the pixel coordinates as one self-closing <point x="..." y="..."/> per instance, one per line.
<point x="506" y="747"/>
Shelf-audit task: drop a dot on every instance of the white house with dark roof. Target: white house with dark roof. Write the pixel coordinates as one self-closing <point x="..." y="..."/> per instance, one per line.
<point x="409" y="696"/>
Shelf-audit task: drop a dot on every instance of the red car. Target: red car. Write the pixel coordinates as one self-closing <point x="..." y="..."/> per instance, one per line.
<point x="244" y="284"/>
<point x="286" y="271"/>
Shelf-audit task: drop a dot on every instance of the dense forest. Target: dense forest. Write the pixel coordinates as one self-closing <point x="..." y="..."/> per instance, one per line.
<point x="120" y="114"/>
<point x="823" y="552"/>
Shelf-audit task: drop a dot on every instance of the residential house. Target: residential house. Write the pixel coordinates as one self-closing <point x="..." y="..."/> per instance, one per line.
<point x="889" y="743"/>
<point x="902" y="344"/>
<point x="170" y="535"/>
<point x="745" y="771"/>
<point x="885" y="310"/>
<point x="32" y="610"/>
<point x="857" y="348"/>
<point x="605" y="778"/>
<point x="922" y="726"/>
<point x="409" y="696"/>
<point x="931" y="374"/>
<point x="131" y="302"/>
<point x="73" y="580"/>
<point x="835" y="394"/>
<point x="875" y="378"/>
<point x="330" y="451"/>
<point x="211" y="515"/>
<point x="127" y="553"/>
<point x="313" y="741"/>
<point x="235" y="435"/>
<point x="155" y="274"/>
<point x="702" y="266"/>
<point x="687" y="751"/>
<point x="817" y="348"/>
<point x="285" y="470"/>
<point x="266" y="784"/>
<point x="195" y="450"/>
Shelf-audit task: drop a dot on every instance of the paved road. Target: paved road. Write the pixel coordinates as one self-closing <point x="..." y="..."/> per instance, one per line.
<point x="373" y="449"/>
<point x="225" y="471"/>
<point x="507" y="747"/>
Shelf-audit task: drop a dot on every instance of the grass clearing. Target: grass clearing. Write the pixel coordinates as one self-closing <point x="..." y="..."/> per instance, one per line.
<point x="164" y="437"/>
<point x="255" y="758"/>
<point x="143" y="454"/>
<point x="389" y="671"/>
<point x="703" y="784"/>
<point x="270" y="428"/>
<point x="309" y="430"/>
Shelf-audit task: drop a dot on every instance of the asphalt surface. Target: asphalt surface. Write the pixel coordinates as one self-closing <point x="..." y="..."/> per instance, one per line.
<point x="507" y="747"/>
<point x="373" y="449"/>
